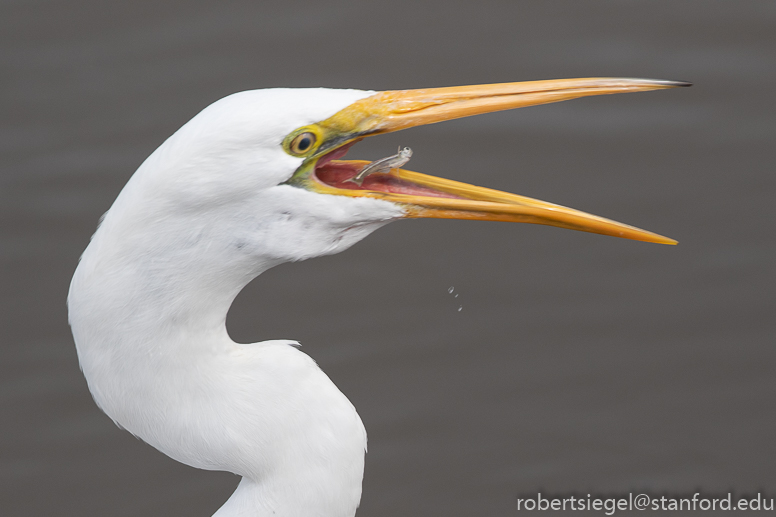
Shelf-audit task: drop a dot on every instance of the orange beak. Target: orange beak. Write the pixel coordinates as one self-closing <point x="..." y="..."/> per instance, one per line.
<point x="427" y="196"/>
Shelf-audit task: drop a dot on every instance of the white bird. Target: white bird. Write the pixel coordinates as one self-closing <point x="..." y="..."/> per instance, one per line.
<point x="250" y="182"/>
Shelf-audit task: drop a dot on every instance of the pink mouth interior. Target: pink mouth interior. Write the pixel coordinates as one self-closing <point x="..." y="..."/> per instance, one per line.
<point x="337" y="173"/>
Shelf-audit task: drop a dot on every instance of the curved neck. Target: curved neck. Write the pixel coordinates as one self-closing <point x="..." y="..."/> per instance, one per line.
<point x="161" y="278"/>
<point x="148" y="312"/>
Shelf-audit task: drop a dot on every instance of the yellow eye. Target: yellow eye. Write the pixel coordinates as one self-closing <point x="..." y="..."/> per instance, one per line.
<point x="302" y="143"/>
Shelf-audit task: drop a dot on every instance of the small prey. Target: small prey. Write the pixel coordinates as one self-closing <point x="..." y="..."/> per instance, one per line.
<point x="383" y="165"/>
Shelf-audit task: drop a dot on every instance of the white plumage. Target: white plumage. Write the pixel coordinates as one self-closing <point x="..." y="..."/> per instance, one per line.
<point x="201" y="218"/>
<point x="206" y="213"/>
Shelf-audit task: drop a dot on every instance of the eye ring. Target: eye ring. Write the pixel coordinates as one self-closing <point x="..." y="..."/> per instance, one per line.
<point x="302" y="143"/>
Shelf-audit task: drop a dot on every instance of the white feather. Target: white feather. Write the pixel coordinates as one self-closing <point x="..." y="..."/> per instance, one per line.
<point x="202" y="216"/>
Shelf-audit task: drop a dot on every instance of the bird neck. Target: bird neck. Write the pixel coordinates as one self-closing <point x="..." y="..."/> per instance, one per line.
<point x="146" y="278"/>
<point x="148" y="305"/>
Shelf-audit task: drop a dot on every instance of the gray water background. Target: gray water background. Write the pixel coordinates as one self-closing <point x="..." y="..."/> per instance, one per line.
<point x="578" y="363"/>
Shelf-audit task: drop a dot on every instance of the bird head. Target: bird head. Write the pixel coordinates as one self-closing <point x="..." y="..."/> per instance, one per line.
<point x="264" y="167"/>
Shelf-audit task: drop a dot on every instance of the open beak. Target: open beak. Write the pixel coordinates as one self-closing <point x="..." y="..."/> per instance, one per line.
<point x="427" y="196"/>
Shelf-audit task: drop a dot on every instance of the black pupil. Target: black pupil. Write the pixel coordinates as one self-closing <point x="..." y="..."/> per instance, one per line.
<point x="304" y="143"/>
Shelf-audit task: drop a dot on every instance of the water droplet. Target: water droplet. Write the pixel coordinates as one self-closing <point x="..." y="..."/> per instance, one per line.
<point x="451" y="289"/>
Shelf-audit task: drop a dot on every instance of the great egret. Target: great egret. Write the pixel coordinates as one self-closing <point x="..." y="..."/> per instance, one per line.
<point x="252" y="181"/>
